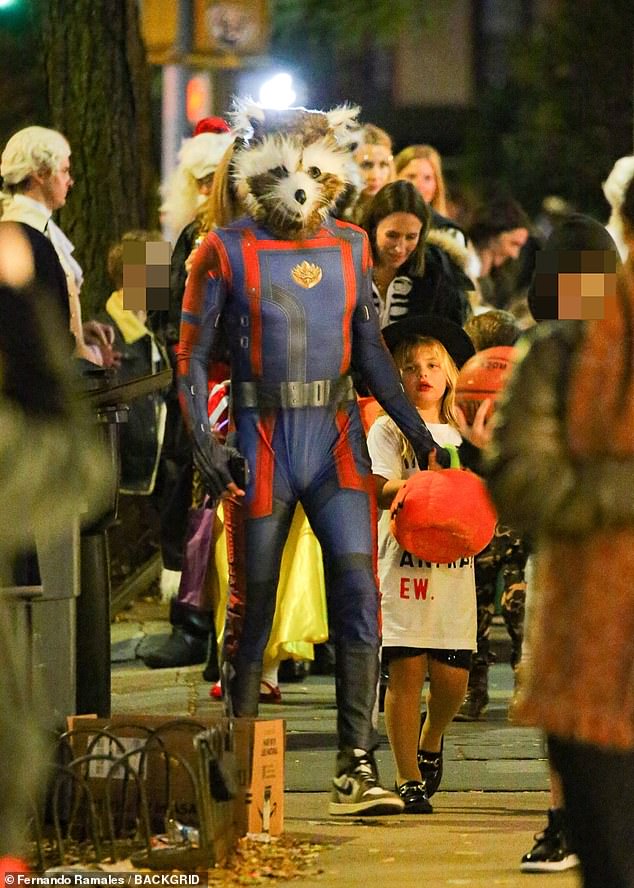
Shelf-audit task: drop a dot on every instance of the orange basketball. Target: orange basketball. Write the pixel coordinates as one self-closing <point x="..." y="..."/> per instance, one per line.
<point x="484" y="376"/>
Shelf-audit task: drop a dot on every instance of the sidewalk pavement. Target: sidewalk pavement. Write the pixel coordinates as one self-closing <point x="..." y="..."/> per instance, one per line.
<point x="492" y="800"/>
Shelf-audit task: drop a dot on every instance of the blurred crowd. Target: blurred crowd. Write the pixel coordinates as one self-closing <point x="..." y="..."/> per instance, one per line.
<point x="450" y="279"/>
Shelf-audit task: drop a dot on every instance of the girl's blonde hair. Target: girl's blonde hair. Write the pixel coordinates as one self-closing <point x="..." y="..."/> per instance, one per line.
<point x="428" y="153"/>
<point x="222" y="206"/>
<point x="403" y="354"/>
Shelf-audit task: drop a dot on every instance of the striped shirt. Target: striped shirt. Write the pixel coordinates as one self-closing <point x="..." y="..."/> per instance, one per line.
<point x="396" y="303"/>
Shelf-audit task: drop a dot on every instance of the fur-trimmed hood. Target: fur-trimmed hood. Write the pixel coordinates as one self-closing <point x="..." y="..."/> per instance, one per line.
<point x="440" y="237"/>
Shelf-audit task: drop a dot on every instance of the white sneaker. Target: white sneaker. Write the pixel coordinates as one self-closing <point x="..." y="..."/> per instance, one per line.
<point x="357" y="791"/>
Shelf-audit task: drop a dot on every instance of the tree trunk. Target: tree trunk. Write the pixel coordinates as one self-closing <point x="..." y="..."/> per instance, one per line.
<point x="98" y="88"/>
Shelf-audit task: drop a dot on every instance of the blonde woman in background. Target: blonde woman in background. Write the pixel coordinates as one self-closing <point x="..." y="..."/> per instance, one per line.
<point x="422" y="166"/>
<point x="375" y="161"/>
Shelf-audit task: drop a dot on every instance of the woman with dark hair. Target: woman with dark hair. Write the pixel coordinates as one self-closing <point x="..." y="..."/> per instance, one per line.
<point x="415" y="271"/>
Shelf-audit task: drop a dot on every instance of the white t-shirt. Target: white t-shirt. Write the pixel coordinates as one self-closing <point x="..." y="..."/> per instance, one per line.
<point x="423" y="605"/>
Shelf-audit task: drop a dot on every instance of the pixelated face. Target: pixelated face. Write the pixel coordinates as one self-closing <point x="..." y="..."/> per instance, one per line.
<point x="396" y="238"/>
<point x="574" y="285"/>
<point x="420" y="173"/>
<point x="375" y="163"/>
<point x="424" y="378"/>
<point x="289" y="186"/>
<point x="56" y="185"/>
<point x="146" y="275"/>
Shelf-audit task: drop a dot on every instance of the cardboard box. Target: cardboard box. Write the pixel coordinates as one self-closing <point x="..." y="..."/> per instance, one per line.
<point x="264" y="787"/>
<point x="163" y="753"/>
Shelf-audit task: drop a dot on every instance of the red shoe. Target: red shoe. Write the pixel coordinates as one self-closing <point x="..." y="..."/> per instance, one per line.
<point x="269" y="693"/>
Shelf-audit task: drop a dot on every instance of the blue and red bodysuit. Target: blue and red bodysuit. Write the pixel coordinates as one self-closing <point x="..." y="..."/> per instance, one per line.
<point x="297" y="317"/>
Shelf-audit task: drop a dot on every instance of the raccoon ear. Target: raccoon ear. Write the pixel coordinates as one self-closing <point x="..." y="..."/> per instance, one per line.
<point x="247" y="119"/>
<point x="343" y="122"/>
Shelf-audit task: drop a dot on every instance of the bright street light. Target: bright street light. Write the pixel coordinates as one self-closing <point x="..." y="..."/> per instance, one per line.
<point x="278" y="92"/>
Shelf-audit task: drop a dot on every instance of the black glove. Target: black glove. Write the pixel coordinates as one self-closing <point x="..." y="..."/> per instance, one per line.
<point x="422" y="452"/>
<point x="214" y="461"/>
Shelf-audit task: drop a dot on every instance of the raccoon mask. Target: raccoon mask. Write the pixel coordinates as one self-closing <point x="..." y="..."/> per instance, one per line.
<point x="293" y="166"/>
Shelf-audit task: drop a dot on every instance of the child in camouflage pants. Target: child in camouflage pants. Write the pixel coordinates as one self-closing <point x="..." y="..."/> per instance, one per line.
<point x="506" y="553"/>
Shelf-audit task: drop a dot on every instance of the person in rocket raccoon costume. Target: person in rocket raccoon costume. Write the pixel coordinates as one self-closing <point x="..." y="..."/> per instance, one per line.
<point x="289" y="288"/>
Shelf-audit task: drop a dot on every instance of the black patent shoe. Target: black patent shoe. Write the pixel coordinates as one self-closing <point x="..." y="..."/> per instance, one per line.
<point x="414" y="796"/>
<point x="551" y="851"/>
<point x="177" y="649"/>
<point x="430" y="767"/>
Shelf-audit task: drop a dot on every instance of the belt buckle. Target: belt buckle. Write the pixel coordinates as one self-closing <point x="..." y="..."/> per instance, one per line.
<point x="293" y="394"/>
<point x="318" y="393"/>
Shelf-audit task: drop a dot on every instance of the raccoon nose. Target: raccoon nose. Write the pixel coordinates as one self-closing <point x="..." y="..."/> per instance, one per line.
<point x="300" y="196"/>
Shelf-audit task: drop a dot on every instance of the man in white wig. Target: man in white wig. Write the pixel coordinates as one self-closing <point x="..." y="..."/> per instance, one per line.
<point x="35" y="170"/>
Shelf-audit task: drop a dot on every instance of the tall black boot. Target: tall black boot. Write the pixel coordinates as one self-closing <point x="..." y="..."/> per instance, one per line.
<point x="356" y="789"/>
<point x="356" y="682"/>
<point x="244" y="689"/>
<point x="188" y="643"/>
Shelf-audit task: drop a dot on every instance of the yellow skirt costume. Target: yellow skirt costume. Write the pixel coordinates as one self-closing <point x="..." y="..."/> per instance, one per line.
<point x="300" y="619"/>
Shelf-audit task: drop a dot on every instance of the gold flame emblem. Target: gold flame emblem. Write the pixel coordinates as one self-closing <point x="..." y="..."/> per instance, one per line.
<point x="306" y="274"/>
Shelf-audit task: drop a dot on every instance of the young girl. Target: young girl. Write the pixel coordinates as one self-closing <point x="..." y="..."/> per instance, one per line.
<point x="429" y="610"/>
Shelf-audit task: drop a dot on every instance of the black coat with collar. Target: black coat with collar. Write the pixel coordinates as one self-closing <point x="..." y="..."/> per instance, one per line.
<point x="49" y="279"/>
<point x="442" y="289"/>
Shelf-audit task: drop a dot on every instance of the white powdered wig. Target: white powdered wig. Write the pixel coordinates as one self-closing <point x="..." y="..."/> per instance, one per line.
<point x="614" y="189"/>
<point x="30" y="150"/>
<point x="197" y="158"/>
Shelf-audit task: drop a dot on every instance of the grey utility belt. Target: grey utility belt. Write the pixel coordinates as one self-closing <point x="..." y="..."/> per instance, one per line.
<point x="270" y="396"/>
